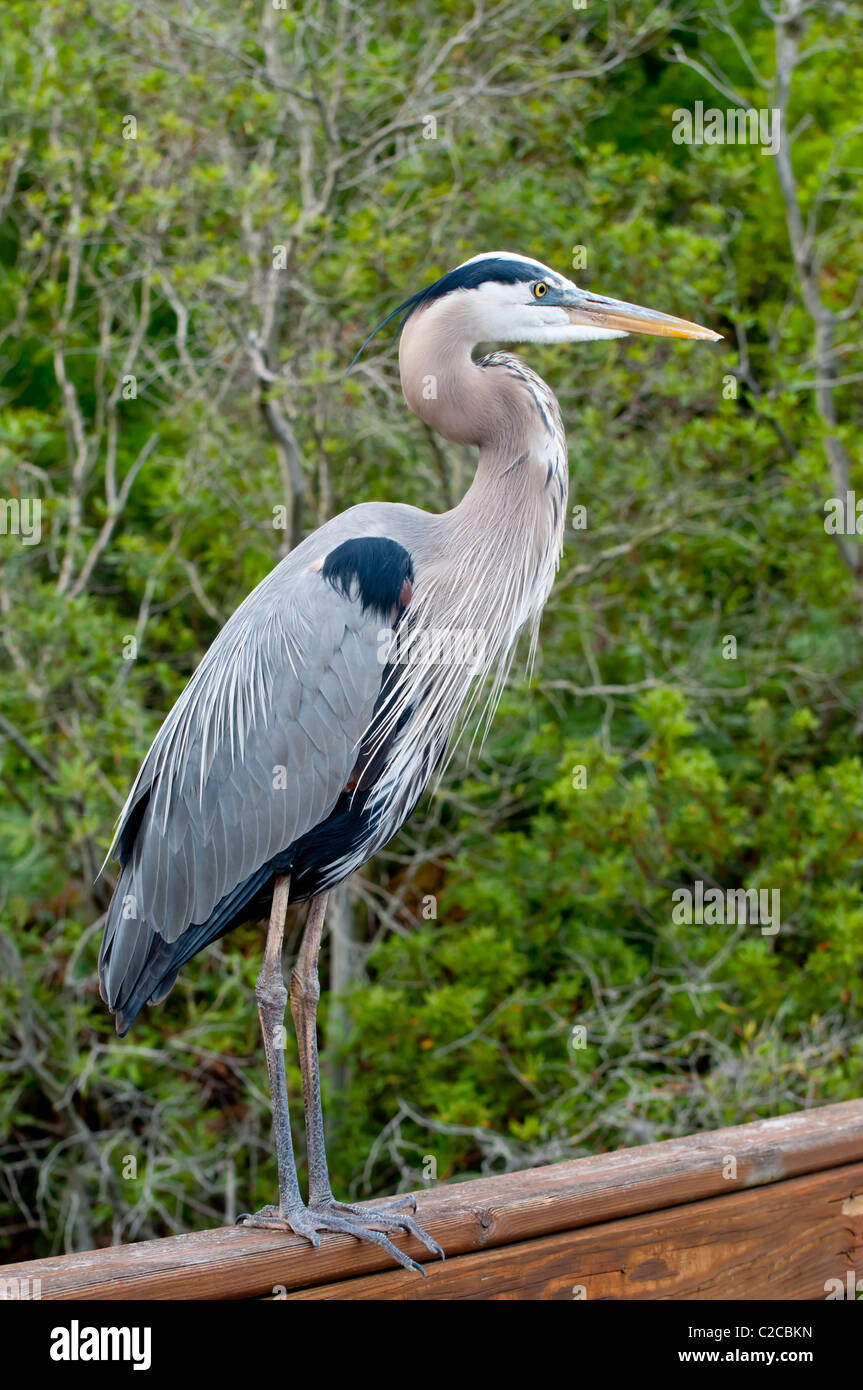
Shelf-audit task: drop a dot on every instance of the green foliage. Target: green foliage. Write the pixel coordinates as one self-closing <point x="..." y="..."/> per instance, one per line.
<point x="567" y="922"/>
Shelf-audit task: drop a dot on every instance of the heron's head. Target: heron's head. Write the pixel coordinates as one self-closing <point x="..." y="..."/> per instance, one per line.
<point x="511" y="298"/>
<point x="501" y="297"/>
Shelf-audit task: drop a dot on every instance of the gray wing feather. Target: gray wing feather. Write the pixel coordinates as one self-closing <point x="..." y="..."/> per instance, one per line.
<point x="291" y="683"/>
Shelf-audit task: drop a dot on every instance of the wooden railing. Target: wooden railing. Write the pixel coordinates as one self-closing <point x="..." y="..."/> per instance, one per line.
<point x="772" y="1209"/>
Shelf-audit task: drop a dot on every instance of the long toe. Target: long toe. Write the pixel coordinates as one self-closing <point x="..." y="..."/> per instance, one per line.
<point x="406" y="1203"/>
<point x="329" y="1218"/>
<point x="257" y="1218"/>
<point x="382" y="1218"/>
<point x="272" y="1219"/>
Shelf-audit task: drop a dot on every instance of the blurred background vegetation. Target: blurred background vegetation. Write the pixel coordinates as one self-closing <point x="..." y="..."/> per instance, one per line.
<point x="164" y="388"/>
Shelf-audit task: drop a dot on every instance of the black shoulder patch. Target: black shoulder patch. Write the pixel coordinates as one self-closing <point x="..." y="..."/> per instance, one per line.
<point x="380" y="568"/>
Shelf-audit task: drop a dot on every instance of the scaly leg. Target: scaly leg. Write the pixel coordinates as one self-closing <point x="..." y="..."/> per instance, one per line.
<point x="272" y="1000"/>
<point x="291" y="1214"/>
<point x="305" y="992"/>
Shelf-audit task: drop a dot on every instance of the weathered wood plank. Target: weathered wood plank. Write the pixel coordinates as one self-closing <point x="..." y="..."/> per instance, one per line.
<point x="479" y="1215"/>
<point x="779" y="1242"/>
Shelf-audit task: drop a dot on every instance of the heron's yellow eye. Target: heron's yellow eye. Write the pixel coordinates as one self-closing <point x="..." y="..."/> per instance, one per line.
<point x="539" y="289"/>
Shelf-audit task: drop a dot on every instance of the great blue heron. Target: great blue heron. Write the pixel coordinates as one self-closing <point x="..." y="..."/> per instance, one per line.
<point x="311" y="728"/>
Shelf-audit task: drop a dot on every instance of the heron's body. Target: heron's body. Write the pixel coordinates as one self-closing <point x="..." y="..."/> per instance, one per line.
<point x="313" y="725"/>
<point x="247" y="778"/>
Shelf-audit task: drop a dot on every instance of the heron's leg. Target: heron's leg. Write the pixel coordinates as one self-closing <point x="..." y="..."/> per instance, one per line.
<point x="291" y="1214"/>
<point x="272" y="1000"/>
<point x="305" y="993"/>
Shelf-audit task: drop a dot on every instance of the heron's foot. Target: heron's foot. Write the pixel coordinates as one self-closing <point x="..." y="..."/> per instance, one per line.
<point x="363" y="1223"/>
<point x="377" y="1219"/>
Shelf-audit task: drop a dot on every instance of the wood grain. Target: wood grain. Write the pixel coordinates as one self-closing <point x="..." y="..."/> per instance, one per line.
<point x="478" y="1216"/>
<point x="778" y="1242"/>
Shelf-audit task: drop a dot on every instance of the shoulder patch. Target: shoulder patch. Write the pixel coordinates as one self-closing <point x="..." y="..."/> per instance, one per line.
<point x="381" y="569"/>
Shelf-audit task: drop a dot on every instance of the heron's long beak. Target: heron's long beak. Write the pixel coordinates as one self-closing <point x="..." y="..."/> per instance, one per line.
<point x="596" y="311"/>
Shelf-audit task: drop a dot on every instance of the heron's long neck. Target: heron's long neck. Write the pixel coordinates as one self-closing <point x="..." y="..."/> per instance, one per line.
<point x="503" y="540"/>
<point x="460" y="399"/>
<point x="484" y="569"/>
<point x="500" y="405"/>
